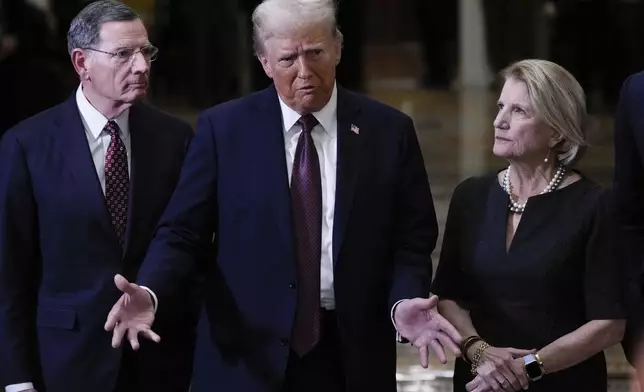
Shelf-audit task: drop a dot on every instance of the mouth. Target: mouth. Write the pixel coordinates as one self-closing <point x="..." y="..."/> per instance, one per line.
<point x="307" y="88"/>
<point x="501" y="139"/>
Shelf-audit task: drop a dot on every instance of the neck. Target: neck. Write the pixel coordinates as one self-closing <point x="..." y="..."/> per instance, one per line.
<point x="530" y="180"/>
<point x="108" y="108"/>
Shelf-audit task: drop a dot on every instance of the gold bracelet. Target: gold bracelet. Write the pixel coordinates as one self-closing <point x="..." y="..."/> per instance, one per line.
<point x="476" y="359"/>
<point x="466" y="344"/>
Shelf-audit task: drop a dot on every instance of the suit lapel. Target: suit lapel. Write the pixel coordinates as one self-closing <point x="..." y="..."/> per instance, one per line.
<point x="142" y="170"/>
<point x="350" y="146"/>
<point x="72" y="142"/>
<point x="269" y="134"/>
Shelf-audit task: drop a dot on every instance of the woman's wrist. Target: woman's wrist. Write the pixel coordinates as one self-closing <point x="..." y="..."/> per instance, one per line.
<point x="469" y="345"/>
<point x="477" y="357"/>
<point x="471" y="351"/>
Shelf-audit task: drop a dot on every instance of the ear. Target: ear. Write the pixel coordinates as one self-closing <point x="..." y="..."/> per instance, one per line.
<point x="555" y="138"/>
<point x="268" y="70"/>
<point x="338" y="51"/>
<point x="81" y="64"/>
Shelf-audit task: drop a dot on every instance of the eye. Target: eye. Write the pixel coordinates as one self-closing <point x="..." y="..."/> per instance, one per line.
<point x="124" y="54"/>
<point x="287" y="60"/>
<point x="517" y="109"/>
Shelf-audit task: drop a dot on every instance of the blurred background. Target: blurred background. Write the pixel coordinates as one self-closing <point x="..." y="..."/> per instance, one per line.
<point x="435" y="60"/>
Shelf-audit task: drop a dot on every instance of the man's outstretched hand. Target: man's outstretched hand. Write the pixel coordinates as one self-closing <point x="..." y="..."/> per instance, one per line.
<point x="419" y="322"/>
<point x="133" y="314"/>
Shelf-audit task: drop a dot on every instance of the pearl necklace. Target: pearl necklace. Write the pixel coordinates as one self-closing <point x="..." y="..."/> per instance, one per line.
<point x="517" y="207"/>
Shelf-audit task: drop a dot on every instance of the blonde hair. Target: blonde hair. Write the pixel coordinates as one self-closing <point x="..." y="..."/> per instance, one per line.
<point x="273" y="17"/>
<point x="558" y="100"/>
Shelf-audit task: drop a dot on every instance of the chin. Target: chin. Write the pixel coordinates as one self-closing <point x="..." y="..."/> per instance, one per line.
<point x="135" y="95"/>
<point x="312" y="103"/>
<point x="501" y="152"/>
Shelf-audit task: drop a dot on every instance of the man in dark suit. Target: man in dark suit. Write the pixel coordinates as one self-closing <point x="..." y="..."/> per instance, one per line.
<point x="82" y="187"/>
<point x="629" y="207"/>
<point x="324" y="226"/>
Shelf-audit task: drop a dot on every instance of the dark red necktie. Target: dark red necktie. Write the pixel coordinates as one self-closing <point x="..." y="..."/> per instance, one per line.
<point x="117" y="181"/>
<point x="306" y="200"/>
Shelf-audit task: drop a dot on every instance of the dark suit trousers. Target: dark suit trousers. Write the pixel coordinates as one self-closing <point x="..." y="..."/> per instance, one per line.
<point x="321" y="369"/>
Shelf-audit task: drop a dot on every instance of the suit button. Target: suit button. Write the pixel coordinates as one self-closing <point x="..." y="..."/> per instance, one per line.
<point x="292" y="285"/>
<point x="283" y="341"/>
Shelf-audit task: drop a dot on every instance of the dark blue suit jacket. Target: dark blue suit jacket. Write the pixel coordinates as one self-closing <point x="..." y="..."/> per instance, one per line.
<point x="59" y="252"/>
<point x="234" y="183"/>
<point x="629" y="202"/>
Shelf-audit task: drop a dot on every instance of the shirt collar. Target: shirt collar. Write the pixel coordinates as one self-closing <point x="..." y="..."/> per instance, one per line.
<point x="327" y="116"/>
<point x="95" y="121"/>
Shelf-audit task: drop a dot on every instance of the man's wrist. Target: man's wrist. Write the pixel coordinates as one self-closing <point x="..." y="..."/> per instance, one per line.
<point x="153" y="297"/>
<point x="399" y="337"/>
<point x="25" y="386"/>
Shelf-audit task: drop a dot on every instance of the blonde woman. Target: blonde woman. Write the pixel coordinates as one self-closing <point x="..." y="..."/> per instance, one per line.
<point x="526" y="272"/>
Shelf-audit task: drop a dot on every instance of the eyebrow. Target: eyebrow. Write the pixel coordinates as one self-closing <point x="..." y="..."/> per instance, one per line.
<point x="146" y="45"/>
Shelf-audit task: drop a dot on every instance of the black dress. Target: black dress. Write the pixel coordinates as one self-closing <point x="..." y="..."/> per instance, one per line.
<point x="558" y="274"/>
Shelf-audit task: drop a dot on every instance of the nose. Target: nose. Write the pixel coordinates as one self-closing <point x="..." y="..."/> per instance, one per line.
<point x="304" y="70"/>
<point x="139" y="64"/>
<point x="500" y="121"/>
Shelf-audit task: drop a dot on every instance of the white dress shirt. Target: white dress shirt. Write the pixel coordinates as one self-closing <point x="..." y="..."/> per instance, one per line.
<point x="97" y="138"/>
<point x="98" y="141"/>
<point x="326" y="143"/>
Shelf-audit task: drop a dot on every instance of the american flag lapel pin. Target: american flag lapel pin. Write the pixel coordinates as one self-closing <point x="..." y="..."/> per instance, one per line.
<point x="355" y="129"/>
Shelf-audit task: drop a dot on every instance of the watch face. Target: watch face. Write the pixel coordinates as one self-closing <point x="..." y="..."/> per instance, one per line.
<point x="533" y="370"/>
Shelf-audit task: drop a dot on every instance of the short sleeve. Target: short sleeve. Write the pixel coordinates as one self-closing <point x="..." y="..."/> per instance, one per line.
<point x="604" y="275"/>
<point x="450" y="280"/>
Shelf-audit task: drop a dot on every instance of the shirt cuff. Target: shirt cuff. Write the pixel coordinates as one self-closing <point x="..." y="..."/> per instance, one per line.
<point x="25" y="386"/>
<point x="399" y="337"/>
<point x="155" y="301"/>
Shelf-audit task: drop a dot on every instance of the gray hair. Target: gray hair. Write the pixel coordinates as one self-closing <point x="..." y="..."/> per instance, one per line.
<point x="85" y="29"/>
<point x="558" y="100"/>
<point x="273" y="17"/>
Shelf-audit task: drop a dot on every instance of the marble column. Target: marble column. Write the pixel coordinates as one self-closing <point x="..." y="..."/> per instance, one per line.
<point x="473" y="89"/>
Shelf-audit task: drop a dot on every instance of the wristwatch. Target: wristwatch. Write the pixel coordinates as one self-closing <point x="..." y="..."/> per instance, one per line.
<point x="533" y="367"/>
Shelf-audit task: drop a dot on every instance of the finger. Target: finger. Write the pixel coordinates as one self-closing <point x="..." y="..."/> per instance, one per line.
<point x="125" y="286"/>
<point x="492" y="383"/>
<point x="448" y="343"/>
<point x="151" y="335"/>
<point x="481" y="388"/>
<point x="447" y="327"/>
<point x="424" y="339"/>
<point x="424" y="356"/>
<point x="419" y="304"/>
<point x="522" y="377"/>
<point x="510" y="380"/>
<point x="473" y="384"/>
<point x="132" y="336"/>
<point x="117" y="336"/>
<point x="438" y="351"/>
<point x="432" y="301"/>
<point x="519" y="353"/>
<point x="114" y="315"/>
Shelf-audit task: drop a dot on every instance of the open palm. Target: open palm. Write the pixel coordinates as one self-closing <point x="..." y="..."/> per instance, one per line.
<point x="419" y="322"/>
<point x="133" y="314"/>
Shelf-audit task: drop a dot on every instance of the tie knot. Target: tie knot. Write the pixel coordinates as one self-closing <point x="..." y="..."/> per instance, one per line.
<point x="308" y="122"/>
<point x="112" y="128"/>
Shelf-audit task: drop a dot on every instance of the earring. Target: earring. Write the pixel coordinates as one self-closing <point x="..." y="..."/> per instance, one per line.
<point x="547" y="155"/>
